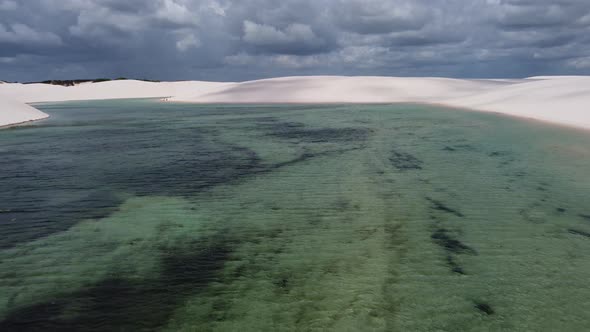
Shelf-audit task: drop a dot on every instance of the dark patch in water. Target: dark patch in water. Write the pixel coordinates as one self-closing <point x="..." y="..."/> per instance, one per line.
<point x="498" y="154"/>
<point x="579" y="232"/>
<point x="561" y="210"/>
<point x="218" y="311"/>
<point x="485" y="308"/>
<point x="405" y="161"/>
<point x="343" y="204"/>
<point x="305" y="157"/>
<point x="585" y="216"/>
<point x="452" y="247"/>
<point x="297" y="131"/>
<point x="283" y="284"/>
<point x="123" y="305"/>
<point x="447" y="242"/>
<point x="70" y="172"/>
<point x="249" y="122"/>
<point x="38" y="217"/>
<point x="55" y="182"/>
<point x="455" y="267"/>
<point x="189" y="169"/>
<point x="196" y="264"/>
<point x="438" y="205"/>
<point x="459" y="147"/>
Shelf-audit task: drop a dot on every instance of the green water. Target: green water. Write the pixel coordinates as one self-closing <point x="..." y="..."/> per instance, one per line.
<point x="135" y="215"/>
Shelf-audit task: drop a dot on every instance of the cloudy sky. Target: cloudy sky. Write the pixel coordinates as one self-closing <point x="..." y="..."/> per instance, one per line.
<point x="225" y="40"/>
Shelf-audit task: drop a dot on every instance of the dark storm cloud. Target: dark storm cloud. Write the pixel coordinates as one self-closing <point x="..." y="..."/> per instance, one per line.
<point x="247" y="39"/>
<point x="523" y="14"/>
<point x="381" y="17"/>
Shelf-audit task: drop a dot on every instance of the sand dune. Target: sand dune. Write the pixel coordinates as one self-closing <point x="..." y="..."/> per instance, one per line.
<point x="558" y="99"/>
<point x="14" y="112"/>
<point x="35" y="93"/>
<point x="335" y="89"/>
<point x="562" y="100"/>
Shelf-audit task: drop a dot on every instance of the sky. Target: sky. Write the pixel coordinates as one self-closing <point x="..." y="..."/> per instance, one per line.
<point x="238" y="40"/>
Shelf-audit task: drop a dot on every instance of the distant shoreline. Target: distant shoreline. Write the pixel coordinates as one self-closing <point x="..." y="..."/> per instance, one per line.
<point x="563" y="100"/>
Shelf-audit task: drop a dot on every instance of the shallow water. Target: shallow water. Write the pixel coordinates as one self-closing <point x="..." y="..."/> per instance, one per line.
<point x="137" y="215"/>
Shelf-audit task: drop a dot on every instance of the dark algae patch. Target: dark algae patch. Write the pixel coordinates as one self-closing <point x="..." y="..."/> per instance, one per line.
<point x="442" y="238"/>
<point x="301" y="133"/>
<point x="404" y="161"/>
<point x="452" y="247"/>
<point x="579" y="232"/>
<point x="440" y="206"/>
<point x="455" y="267"/>
<point x="119" y="304"/>
<point x="30" y="220"/>
<point x="187" y="160"/>
<point x="484" y="308"/>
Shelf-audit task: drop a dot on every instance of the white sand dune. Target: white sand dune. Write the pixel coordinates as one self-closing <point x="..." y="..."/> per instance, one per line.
<point x="558" y="99"/>
<point x="561" y="100"/>
<point x="13" y="112"/>
<point x="338" y="89"/>
<point x="36" y="93"/>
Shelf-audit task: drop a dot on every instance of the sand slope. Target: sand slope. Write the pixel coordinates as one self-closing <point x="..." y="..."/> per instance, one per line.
<point x="34" y="93"/>
<point x="337" y="89"/>
<point x="562" y="100"/>
<point x="558" y="99"/>
<point x="13" y="112"/>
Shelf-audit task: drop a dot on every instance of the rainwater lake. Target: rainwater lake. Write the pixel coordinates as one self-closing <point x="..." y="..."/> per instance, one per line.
<point x="137" y="215"/>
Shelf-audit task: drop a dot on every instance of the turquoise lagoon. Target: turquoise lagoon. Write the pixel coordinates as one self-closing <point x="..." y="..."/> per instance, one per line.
<point x="135" y="215"/>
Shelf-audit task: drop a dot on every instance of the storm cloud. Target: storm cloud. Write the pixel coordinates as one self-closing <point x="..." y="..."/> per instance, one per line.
<point x="248" y="39"/>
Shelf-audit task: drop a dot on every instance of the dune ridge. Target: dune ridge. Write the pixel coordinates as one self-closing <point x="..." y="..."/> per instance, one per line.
<point x="558" y="99"/>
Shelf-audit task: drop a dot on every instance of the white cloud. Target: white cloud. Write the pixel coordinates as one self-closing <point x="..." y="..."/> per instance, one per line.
<point x="174" y="12"/>
<point x="187" y="40"/>
<point x="217" y="8"/>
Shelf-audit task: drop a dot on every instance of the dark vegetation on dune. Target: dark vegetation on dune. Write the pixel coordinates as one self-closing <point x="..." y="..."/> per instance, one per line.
<point x="79" y="81"/>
